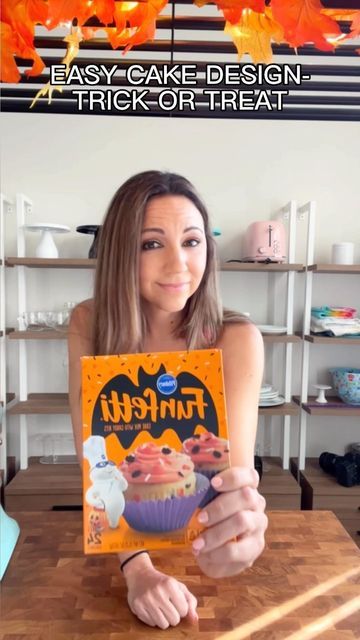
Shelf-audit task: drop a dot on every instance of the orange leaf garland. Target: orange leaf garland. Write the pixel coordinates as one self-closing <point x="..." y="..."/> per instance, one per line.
<point x="252" y="24"/>
<point x="303" y="21"/>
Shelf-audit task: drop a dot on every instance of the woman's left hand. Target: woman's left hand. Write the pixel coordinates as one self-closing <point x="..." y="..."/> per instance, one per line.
<point x="235" y="524"/>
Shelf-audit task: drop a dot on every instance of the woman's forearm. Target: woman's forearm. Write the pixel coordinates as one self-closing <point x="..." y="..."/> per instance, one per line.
<point x="139" y="562"/>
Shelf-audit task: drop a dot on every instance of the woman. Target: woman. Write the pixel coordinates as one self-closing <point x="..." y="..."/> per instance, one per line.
<point x="156" y="290"/>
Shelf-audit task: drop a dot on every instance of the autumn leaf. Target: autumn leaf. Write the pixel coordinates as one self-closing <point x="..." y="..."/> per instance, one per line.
<point x="135" y="23"/>
<point x="232" y="9"/>
<point x="60" y="11"/>
<point x="355" y="26"/>
<point x="21" y="17"/>
<point x="72" y="49"/>
<point x="348" y="15"/>
<point x="303" y="21"/>
<point x="255" y="5"/>
<point x="38" y="65"/>
<point x="104" y="10"/>
<point x="340" y="14"/>
<point x="253" y="35"/>
<point x="38" y="11"/>
<point x="9" y="70"/>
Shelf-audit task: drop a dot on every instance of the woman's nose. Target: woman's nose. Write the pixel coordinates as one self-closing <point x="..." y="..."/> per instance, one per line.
<point x="176" y="259"/>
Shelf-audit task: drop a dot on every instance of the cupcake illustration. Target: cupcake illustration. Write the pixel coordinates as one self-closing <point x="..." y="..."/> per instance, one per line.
<point x="163" y="489"/>
<point x="210" y="455"/>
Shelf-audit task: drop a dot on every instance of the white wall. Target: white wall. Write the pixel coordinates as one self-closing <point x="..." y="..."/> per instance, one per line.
<point x="71" y="165"/>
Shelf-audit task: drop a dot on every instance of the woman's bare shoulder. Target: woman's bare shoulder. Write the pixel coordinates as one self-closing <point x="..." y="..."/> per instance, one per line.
<point x="81" y="317"/>
<point x="240" y="336"/>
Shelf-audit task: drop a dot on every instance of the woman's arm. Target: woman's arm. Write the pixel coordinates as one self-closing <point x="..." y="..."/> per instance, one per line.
<point x="235" y="521"/>
<point x="157" y="599"/>
<point x="79" y="344"/>
<point x="243" y="362"/>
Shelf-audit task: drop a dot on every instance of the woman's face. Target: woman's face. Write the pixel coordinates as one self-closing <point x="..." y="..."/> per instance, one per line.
<point x="173" y="252"/>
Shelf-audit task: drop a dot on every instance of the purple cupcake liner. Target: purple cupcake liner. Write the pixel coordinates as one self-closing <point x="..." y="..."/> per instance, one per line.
<point x="211" y="492"/>
<point x="157" y="516"/>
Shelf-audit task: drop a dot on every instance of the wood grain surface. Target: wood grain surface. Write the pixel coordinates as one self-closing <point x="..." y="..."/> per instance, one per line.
<point x="51" y="591"/>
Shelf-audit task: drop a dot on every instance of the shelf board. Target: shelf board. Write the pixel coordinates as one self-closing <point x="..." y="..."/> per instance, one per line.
<point x="53" y="263"/>
<point x="39" y="403"/>
<point x="331" y="340"/>
<point x="90" y="263"/>
<point x="261" y="266"/>
<point x="9" y="398"/>
<point x="43" y="486"/>
<point x="61" y="334"/>
<point x="281" y="338"/>
<point x="335" y="268"/>
<point x="46" y="334"/>
<point x="286" y="409"/>
<point x="7" y="331"/>
<point x="324" y="483"/>
<point x="334" y="407"/>
<point x="59" y="403"/>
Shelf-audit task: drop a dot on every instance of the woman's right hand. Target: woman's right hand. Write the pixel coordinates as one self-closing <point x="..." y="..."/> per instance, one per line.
<point x="155" y="598"/>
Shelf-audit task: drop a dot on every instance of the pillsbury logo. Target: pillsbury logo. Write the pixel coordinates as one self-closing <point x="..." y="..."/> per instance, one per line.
<point x="166" y="384"/>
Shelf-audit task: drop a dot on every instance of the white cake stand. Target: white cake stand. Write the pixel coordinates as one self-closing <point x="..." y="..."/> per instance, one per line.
<point x="321" y="396"/>
<point x="47" y="247"/>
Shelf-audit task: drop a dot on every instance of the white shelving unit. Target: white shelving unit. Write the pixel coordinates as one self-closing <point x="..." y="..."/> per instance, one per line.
<point x="5" y="207"/>
<point x="306" y="407"/>
<point x="24" y="207"/>
<point x="308" y="210"/>
<point x="289" y="215"/>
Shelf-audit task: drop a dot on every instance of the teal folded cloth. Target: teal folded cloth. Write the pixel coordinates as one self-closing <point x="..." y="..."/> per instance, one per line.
<point x="333" y="312"/>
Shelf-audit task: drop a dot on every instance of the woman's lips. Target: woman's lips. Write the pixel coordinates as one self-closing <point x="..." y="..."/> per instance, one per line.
<point x="175" y="287"/>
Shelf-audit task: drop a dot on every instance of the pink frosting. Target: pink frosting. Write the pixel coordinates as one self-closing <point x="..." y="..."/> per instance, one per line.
<point x="151" y="464"/>
<point x="207" y="449"/>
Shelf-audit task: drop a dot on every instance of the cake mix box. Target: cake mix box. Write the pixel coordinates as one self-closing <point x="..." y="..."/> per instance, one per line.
<point x="154" y="434"/>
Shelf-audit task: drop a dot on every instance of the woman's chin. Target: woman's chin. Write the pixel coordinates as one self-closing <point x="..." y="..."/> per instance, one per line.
<point x="174" y="308"/>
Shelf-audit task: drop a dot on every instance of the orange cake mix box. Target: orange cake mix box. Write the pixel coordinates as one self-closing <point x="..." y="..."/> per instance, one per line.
<point x="154" y="434"/>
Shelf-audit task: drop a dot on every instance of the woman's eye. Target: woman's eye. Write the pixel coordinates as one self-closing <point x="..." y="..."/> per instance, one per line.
<point x="193" y="242"/>
<point x="150" y="244"/>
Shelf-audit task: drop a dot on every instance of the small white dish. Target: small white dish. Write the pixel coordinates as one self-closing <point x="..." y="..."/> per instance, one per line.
<point x="321" y="395"/>
<point x="272" y="328"/>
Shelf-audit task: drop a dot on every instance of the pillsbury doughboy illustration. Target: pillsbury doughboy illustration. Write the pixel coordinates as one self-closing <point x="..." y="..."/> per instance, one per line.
<point x="109" y="483"/>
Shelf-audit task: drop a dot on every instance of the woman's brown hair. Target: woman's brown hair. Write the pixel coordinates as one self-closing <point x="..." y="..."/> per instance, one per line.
<point x="119" y="324"/>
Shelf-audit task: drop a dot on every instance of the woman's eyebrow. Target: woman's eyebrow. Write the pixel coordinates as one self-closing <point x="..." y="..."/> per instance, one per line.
<point x="192" y="228"/>
<point x="153" y="230"/>
<point x="159" y="230"/>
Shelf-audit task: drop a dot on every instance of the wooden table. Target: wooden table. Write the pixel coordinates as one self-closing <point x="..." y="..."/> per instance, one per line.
<point x="51" y="591"/>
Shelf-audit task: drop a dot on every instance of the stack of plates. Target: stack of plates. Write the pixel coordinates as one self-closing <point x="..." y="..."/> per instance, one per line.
<point x="270" y="397"/>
